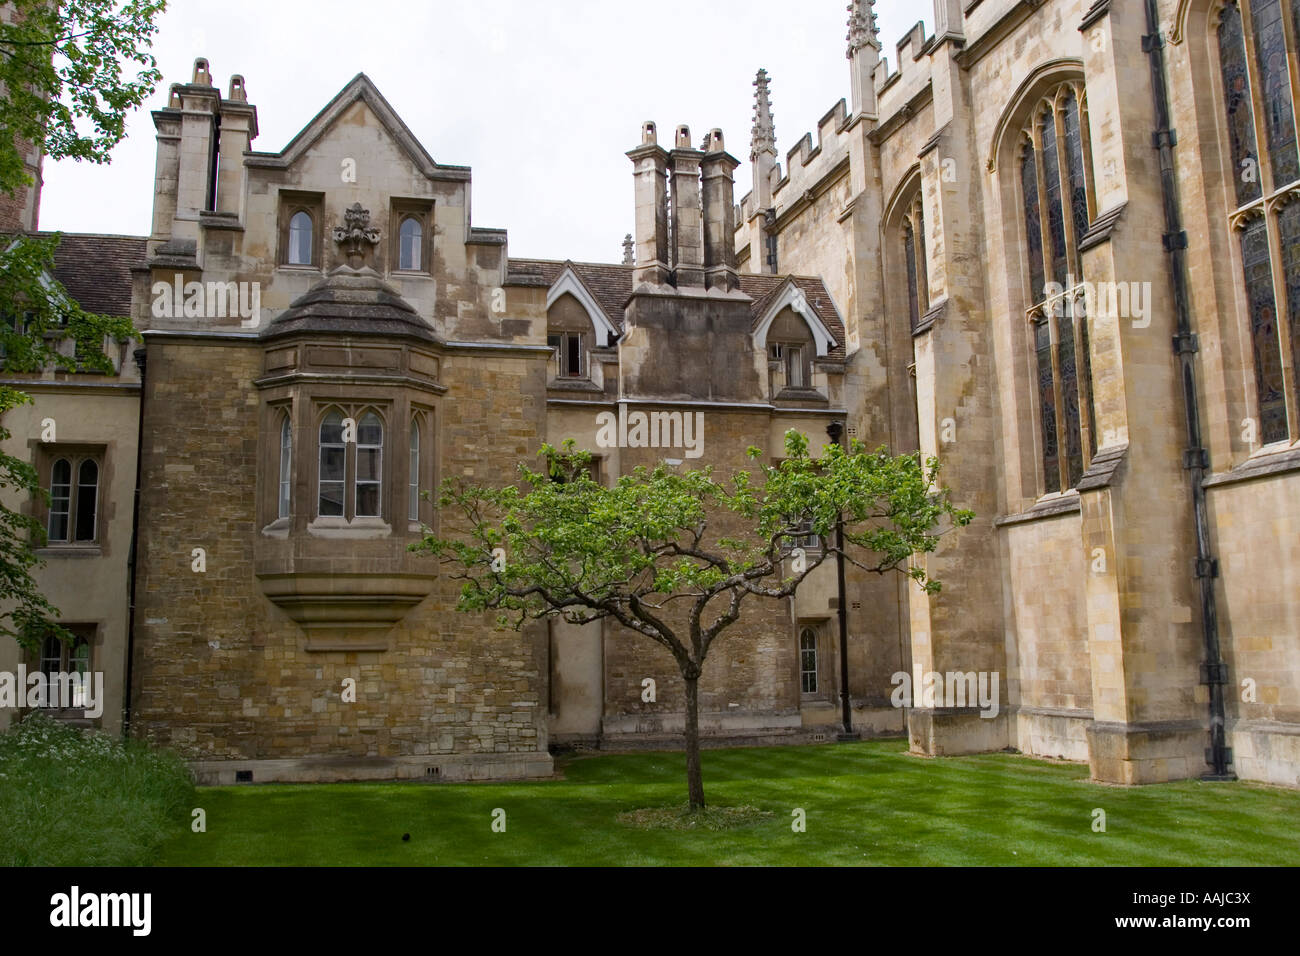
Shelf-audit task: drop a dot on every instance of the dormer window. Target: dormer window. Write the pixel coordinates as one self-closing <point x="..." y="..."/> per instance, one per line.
<point x="567" y="347"/>
<point x="794" y="359"/>
<point x="300" y="239"/>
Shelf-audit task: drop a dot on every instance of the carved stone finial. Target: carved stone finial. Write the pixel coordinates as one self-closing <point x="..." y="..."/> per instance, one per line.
<point x="629" y="255"/>
<point x="763" y="137"/>
<point x="863" y="30"/>
<point x="356" y="234"/>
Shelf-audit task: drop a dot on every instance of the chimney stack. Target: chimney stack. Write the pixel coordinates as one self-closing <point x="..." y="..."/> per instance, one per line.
<point x="687" y="228"/>
<point x="719" y="215"/>
<point x="650" y="162"/>
<point x="238" y="129"/>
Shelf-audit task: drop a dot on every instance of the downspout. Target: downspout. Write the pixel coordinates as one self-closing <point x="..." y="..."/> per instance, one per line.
<point x="132" y="558"/>
<point x="1196" y="460"/>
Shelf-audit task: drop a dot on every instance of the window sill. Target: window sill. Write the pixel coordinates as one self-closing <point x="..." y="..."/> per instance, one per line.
<point x="289" y="267"/>
<point x="1275" y="459"/>
<point x="70" y="551"/>
<point x="279" y="528"/>
<point x="1049" y="506"/>
<point x="356" y="528"/>
<point x="573" y="385"/>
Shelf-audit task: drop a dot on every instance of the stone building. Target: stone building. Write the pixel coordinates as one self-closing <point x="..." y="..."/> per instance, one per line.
<point x="1053" y="247"/>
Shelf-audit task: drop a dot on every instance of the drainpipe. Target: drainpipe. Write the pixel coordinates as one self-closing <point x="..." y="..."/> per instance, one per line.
<point x="1196" y="460"/>
<point x="132" y="558"/>
<point x="835" y="430"/>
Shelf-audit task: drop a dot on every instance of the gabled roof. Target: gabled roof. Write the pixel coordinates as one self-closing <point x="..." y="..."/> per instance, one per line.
<point x="611" y="286"/>
<point x="359" y="88"/>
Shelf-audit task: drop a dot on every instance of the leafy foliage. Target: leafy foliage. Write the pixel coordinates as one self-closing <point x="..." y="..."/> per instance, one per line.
<point x="577" y="549"/>
<point x="65" y="87"/>
<point x="64" y="72"/>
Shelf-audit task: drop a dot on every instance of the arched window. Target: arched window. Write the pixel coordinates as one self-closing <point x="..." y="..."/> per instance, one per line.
<point x="60" y="500"/>
<point x="1057" y="196"/>
<point x="333" y="466"/>
<point x="1255" y="41"/>
<point x="411" y="236"/>
<point x="370" y="454"/>
<point x="87" y="499"/>
<point x="808" y="661"/>
<point x="300" y="239"/>
<point x="918" y="292"/>
<point x="413" y="505"/>
<point x="286" y="466"/>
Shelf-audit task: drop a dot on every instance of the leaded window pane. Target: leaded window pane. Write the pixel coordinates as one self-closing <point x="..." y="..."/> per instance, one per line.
<point x="1047" y="406"/>
<point x="1289" y="225"/>
<point x="1275" y="85"/>
<point x="1264" y="332"/>
<point x="1236" y="95"/>
<point x="909" y="257"/>
<point x="1033" y="224"/>
<point x="1055" y="213"/>
<point x="1074" y="167"/>
<point x="1070" y="394"/>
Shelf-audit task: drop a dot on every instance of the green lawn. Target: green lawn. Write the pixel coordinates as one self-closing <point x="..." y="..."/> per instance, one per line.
<point x="867" y="803"/>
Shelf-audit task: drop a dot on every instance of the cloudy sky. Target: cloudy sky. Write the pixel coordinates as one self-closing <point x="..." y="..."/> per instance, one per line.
<point x="542" y="99"/>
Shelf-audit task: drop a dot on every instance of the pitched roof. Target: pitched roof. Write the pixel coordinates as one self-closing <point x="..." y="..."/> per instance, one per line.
<point x="96" y="270"/>
<point x="612" y="286"/>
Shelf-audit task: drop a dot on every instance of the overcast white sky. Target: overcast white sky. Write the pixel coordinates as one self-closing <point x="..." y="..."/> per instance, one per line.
<point x="542" y="99"/>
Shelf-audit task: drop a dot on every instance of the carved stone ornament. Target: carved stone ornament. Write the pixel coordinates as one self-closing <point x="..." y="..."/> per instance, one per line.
<point x="356" y="235"/>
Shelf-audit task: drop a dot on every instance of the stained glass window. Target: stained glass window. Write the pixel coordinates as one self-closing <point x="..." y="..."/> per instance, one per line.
<point x="1074" y="163"/>
<point x="1033" y="222"/>
<point x="1054" y="182"/>
<point x="909" y="257"/>
<point x="1255" y="47"/>
<point x="1047" y="406"/>
<point x="1289" y="224"/>
<point x="1263" y="331"/>
<point x="1275" y="86"/>
<point x="1236" y="94"/>
<point x="1055" y="212"/>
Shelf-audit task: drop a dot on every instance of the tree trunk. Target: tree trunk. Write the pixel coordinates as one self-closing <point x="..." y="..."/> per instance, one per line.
<point x="694" y="777"/>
